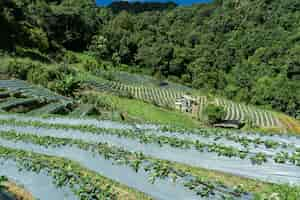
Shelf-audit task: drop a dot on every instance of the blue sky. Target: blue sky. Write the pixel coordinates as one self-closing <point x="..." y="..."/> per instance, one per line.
<point x="180" y="2"/>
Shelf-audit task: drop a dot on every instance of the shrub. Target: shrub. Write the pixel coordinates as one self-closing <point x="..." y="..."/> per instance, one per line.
<point x="125" y="94"/>
<point x="67" y="86"/>
<point x="19" y="68"/>
<point x="109" y="76"/>
<point x="99" y="100"/>
<point x="70" y="57"/>
<point x="214" y="113"/>
<point x="44" y="75"/>
<point x="34" y="54"/>
<point x="92" y="66"/>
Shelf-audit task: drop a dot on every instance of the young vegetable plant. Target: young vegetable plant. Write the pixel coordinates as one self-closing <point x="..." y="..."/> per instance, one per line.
<point x="259" y="158"/>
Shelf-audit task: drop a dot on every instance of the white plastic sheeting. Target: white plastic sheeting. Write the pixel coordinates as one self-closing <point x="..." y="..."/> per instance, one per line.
<point x="253" y="148"/>
<point x="206" y="140"/>
<point x="270" y="171"/>
<point x="40" y="185"/>
<point x="77" y="121"/>
<point x="162" y="189"/>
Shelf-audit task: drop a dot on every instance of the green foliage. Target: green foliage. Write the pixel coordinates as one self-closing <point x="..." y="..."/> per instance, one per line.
<point x="3" y="179"/>
<point x="34" y="54"/>
<point x="100" y="101"/>
<point x="99" y="46"/>
<point x="67" y="86"/>
<point x="214" y="113"/>
<point x="235" y="49"/>
<point x="19" y="68"/>
<point x="137" y="7"/>
<point x="259" y="158"/>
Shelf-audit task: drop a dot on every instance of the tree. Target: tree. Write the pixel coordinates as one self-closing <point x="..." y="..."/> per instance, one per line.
<point x="99" y="46"/>
<point x="214" y="113"/>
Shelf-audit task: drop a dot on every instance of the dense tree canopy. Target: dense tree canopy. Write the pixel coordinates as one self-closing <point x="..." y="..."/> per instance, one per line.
<point x="246" y="50"/>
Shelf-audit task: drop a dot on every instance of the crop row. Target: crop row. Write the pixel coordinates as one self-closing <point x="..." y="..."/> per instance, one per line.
<point x="156" y="169"/>
<point x="84" y="183"/>
<point x="247" y="140"/>
<point x="137" y="80"/>
<point x="242" y="112"/>
<point x="143" y="137"/>
<point x="160" y="137"/>
<point x="18" y="86"/>
<point x="160" y="148"/>
<point x="162" y="97"/>
<point x="37" y="185"/>
<point x="19" y="96"/>
<point x="167" y="97"/>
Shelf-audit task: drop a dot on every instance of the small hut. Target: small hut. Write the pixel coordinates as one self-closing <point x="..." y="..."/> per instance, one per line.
<point x="185" y="103"/>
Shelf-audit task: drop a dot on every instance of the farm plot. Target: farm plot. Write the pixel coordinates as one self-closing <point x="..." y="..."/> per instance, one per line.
<point x="160" y="96"/>
<point x="25" y="89"/>
<point x="166" y="97"/>
<point x="21" y="97"/>
<point x="222" y="156"/>
<point x="136" y="173"/>
<point x="132" y="169"/>
<point x="229" y="158"/>
<point x="242" y="112"/>
<point x="84" y="183"/>
<point x="40" y="184"/>
<point x="148" y="81"/>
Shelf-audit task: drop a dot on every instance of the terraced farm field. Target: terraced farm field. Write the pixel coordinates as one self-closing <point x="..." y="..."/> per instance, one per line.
<point x="159" y="96"/>
<point x="92" y="159"/>
<point x="145" y="80"/>
<point x="239" y="111"/>
<point x="166" y="98"/>
<point x="20" y="96"/>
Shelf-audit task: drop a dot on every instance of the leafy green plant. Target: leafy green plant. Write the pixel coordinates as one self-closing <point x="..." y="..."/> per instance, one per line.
<point x="68" y="85"/>
<point x="259" y="158"/>
<point x="271" y="144"/>
<point x="281" y="157"/>
<point x="3" y="179"/>
<point x="214" y="113"/>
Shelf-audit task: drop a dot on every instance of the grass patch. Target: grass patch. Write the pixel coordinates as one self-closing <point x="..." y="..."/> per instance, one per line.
<point x="291" y="124"/>
<point x="145" y="112"/>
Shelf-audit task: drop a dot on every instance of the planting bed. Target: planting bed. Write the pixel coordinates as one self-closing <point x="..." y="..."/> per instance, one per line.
<point x="149" y="81"/>
<point x="242" y="112"/>
<point x="22" y="97"/>
<point x="162" y="189"/>
<point x="161" y="96"/>
<point x="166" y="97"/>
<point x="39" y="184"/>
<point x="136" y="156"/>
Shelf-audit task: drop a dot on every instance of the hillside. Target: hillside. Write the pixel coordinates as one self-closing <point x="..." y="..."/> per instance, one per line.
<point x="146" y="101"/>
<point x="236" y="50"/>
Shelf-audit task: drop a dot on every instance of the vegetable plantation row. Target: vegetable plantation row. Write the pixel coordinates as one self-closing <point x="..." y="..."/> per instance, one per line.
<point x="20" y="96"/>
<point x="194" y="152"/>
<point x="162" y="97"/>
<point x="132" y="169"/>
<point x="167" y="98"/>
<point x="39" y="184"/>
<point x="242" y="112"/>
<point x="229" y="146"/>
<point x="84" y="183"/>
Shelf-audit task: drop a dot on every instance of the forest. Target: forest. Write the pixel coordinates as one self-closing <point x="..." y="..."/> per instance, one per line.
<point x="246" y="50"/>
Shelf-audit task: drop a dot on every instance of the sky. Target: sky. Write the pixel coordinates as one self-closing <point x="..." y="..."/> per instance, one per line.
<point x="180" y="2"/>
